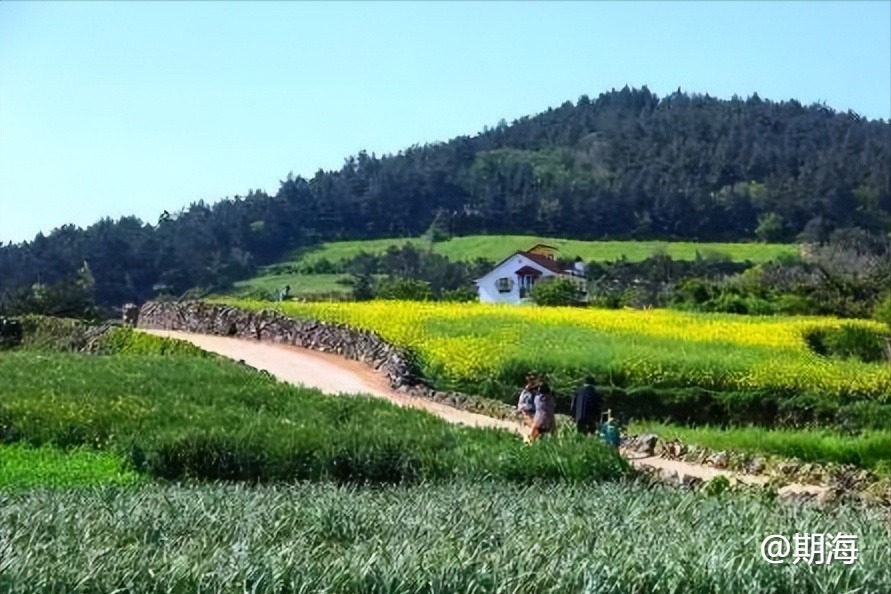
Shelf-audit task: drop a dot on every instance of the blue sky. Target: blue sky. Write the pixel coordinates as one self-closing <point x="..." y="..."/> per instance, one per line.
<point x="114" y="108"/>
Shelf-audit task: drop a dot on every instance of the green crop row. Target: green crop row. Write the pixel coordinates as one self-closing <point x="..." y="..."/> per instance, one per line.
<point x="24" y="467"/>
<point x="468" y="537"/>
<point x="178" y="416"/>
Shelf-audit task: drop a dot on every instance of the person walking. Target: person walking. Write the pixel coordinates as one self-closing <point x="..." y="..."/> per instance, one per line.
<point x="585" y="407"/>
<point x="544" y="420"/>
<point x="526" y="402"/>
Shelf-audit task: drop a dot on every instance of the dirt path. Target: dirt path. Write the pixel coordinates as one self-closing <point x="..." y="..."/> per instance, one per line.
<point x="333" y="374"/>
<point x="328" y="372"/>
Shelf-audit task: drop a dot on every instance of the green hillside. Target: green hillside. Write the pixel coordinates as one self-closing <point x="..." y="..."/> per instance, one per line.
<point x="497" y="247"/>
<point x="626" y="164"/>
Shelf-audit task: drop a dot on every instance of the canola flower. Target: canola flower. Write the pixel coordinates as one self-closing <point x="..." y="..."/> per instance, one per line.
<point x="470" y="343"/>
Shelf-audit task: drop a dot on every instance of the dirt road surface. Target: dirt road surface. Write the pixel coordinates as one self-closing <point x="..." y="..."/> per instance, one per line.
<point x="327" y="372"/>
<point x="335" y="375"/>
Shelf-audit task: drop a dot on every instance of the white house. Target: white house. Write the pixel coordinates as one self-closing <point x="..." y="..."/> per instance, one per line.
<point x="512" y="278"/>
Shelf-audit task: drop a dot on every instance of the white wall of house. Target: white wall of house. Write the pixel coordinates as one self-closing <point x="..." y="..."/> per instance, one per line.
<point x="488" y="285"/>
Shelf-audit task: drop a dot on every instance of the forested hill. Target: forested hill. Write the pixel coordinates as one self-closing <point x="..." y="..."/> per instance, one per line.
<point x="624" y="165"/>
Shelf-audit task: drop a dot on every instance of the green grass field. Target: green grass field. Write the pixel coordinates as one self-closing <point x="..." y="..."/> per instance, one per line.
<point x="301" y="285"/>
<point x="479" y="537"/>
<point x="498" y="247"/>
<point x="179" y="415"/>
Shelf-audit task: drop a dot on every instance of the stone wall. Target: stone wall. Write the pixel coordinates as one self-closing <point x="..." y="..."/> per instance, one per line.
<point x="224" y="320"/>
<point x="367" y="347"/>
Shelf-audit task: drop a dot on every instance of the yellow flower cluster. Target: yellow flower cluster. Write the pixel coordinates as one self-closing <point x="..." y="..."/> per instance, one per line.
<point x="652" y="347"/>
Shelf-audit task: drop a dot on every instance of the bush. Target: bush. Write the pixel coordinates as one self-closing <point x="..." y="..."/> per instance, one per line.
<point x="794" y="305"/>
<point x="10" y="332"/>
<point x="849" y="342"/>
<point x="605" y="298"/>
<point x="771" y="227"/>
<point x="44" y="333"/>
<point x="864" y="415"/>
<point x="556" y="292"/>
<point x="696" y="291"/>
<point x="127" y="340"/>
<point x="882" y="310"/>
<point x="321" y="266"/>
<point x="403" y="289"/>
<point x="363" y="287"/>
<point x="460" y="295"/>
<point x="717" y="486"/>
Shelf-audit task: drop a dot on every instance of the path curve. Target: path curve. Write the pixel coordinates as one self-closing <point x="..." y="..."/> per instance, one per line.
<point x="328" y="372"/>
<point x="333" y="374"/>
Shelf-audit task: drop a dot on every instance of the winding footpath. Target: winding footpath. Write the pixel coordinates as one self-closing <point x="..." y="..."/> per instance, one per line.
<point x="327" y="372"/>
<point x="335" y="375"/>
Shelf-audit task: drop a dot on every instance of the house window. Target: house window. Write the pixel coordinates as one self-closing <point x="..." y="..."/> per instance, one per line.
<point x="504" y="285"/>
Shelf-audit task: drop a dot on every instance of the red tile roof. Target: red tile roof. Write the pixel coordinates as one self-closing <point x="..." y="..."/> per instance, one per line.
<point x="544" y="262"/>
<point x="528" y="271"/>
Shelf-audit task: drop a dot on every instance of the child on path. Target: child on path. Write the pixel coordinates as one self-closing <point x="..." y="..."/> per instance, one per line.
<point x="544" y="420"/>
<point x="526" y="403"/>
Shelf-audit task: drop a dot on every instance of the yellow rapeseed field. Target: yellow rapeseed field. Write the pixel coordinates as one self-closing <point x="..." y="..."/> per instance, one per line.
<point x="471" y="343"/>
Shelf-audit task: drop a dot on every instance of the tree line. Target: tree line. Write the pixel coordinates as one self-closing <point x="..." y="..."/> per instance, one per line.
<point x="627" y="164"/>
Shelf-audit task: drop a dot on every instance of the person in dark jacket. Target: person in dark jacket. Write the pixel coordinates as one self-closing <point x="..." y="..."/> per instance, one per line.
<point x="585" y="407"/>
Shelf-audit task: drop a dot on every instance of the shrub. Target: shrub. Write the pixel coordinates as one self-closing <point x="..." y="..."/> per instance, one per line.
<point x="44" y="333"/>
<point x="404" y="289"/>
<point x="771" y="227"/>
<point x="848" y="342"/>
<point x="460" y="295"/>
<point x="882" y="310"/>
<point x="863" y="415"/>
<point x="363" y="287"/>
<point x="10" y="332"/>
<point x="127" y="340"/>
<point x="556" y="292"/>
<point x="320" y="266"/>
<point x="696" y="291"/>
<point x="717" y="486"/>
<point x="795" y="305"/>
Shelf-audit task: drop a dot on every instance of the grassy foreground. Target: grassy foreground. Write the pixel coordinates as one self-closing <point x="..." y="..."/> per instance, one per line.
<point x="179" y="415"/>
<point x="498" y="247"/>
<point x="467" y="537"/>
